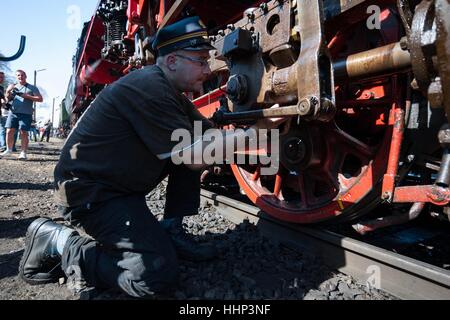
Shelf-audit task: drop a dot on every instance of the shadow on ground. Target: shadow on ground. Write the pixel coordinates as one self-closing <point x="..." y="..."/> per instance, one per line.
<point x="26" y="186"/>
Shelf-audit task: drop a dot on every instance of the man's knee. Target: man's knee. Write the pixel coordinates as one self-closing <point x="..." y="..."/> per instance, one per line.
<point x="150" y="276"/>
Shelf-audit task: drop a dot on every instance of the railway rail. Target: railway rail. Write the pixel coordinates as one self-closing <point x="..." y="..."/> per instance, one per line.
<point x="401" y="276"/>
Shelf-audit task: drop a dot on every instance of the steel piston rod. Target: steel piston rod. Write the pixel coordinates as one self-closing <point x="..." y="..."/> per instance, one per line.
<point x="375" y="61"/>
<point x="229" y="117"/>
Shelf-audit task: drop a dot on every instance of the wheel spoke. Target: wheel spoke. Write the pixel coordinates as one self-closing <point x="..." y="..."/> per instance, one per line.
<point x="302" y="190"/>
<point x="352" y="145"/>
<point x="256" y="174"/>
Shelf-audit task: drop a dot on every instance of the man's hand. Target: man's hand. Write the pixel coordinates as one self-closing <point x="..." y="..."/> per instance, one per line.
<point x="8" y="92"/>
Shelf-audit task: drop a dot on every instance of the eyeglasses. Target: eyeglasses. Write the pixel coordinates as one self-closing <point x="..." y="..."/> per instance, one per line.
<point x="202" y="63"/>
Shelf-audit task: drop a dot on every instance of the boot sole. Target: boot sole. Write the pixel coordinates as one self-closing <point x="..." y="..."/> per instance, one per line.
<point x="29" y="241"/>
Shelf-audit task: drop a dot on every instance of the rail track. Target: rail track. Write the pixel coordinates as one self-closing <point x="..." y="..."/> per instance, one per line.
<point x="399" y="275"/>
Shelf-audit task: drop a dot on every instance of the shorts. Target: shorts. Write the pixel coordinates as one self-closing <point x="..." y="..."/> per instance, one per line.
<point x="19" y="121"/>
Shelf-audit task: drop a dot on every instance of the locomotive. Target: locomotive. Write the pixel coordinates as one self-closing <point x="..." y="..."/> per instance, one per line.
<point x="365" y="85"/>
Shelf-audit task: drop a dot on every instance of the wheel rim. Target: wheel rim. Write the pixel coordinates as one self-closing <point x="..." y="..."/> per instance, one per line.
<point x="347" y="171"/>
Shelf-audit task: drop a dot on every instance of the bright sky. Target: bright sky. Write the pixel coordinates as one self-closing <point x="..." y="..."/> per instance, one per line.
<point x="52" y="28"/>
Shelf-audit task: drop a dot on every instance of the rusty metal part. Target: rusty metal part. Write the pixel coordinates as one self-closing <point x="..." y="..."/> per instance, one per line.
<point x="315" y="77"/>
<point x="270" y="26"/>
<point x="283" y="56"/>
<point x="287" y="79"/>
<point x="395" y="219"/>
<point x="379" y="60"/>
<point x="421" y="43"/>
<point x="442" y="12"/>
<point x="243" y="46"/>
<point x="404" y="9"/>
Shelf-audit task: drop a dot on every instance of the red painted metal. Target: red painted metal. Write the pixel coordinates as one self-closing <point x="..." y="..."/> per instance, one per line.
<point x="427" y="193"/>
<point x="398" y="122"/>
<point x="137" y="13"/>
<point x="209" y="103"/>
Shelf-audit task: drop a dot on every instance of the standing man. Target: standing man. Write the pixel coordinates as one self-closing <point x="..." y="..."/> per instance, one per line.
<point x="47" y="129"/>
<point x="33" y="131"/>
<point x="22" y="95"/>
<point x="3" y="113"/>
<point x="120" y="149"/>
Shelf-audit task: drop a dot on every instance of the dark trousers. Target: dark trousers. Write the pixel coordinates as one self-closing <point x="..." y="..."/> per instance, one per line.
<point x="45" y="134"/>
<point x="129" y="250"/>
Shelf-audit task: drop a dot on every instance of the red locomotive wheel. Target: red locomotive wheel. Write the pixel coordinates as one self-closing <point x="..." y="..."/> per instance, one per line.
<point x="333" y="170"/>
<point x="319" y="184"/>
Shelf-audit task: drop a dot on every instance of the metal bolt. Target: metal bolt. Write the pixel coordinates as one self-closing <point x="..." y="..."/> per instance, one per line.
<point x="250" y="13"/>
<point x="404" y="43"/>
<point x="264" y="7"/>
<point x="410" y="157"/>
<point x="444" y="135"/>
<point x="434" y="214"/>
<point x="304" y="106"/>
<point x="386" y="195"/>
<point x="231" y="27"/>
<point x="369" y="95"/>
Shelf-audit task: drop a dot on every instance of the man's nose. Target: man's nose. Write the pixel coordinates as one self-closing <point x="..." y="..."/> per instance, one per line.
<point x="207" y="70"/>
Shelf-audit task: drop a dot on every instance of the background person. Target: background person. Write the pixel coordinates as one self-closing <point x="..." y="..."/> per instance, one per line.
<point x="33" y="134"/>
<point x="47" y="130"/>
<point x="21" y="95"/>
<point x="3" y="114"/>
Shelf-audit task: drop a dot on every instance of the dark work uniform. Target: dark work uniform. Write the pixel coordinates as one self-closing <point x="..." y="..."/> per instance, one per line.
<point x="107" y="166"/>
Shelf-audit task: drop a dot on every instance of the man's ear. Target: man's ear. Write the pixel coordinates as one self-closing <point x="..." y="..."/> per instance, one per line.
<point x="171" y="62"/>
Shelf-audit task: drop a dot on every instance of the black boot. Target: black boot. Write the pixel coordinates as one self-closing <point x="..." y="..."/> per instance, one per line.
<point x="41" y="262"/>
<point x="184" y="244"/>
